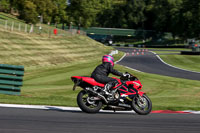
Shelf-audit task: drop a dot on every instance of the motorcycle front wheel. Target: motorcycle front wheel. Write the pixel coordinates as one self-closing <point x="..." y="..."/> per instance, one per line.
<point x="87" y="103"/>
<point x="142" y="104"/>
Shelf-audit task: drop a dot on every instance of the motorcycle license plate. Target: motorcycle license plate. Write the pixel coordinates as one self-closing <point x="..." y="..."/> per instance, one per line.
<point x="75" y="84"/>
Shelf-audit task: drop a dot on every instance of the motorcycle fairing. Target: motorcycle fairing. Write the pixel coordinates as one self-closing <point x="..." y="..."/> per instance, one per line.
<point x="119" y="83"/>
<point x="136" y="84"/>
<point x="129" y="90"/>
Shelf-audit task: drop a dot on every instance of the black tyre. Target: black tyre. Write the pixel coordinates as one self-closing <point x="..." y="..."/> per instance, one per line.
<point x="142" y="104"/>
<point x="86" y="104"/>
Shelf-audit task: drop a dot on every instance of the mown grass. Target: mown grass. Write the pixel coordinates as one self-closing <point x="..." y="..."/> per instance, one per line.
<point x="35" y="50"/>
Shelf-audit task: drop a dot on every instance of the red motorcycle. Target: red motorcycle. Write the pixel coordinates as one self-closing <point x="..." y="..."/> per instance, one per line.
<point x="126" y="95"/>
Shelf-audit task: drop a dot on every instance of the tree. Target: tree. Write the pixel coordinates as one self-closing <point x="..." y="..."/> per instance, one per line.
<point x="28" y="12"/>
<point x="164" y="16"/>
<point x="128" y="14"/>
<point x="135" y="13"/>
<point x="85" y="12"/>
<point x="81" y="12"/>
<point x="191" y="16"/>
<point x="59" y="13"/>
<point x="180" y="17"/>
<point x="44" y="9"/>
<point x="175" y="24"/>
<point x="4" y="6"/>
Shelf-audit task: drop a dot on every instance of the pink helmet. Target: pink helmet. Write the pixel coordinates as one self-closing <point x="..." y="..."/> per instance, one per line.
<point x="108" y="58"/>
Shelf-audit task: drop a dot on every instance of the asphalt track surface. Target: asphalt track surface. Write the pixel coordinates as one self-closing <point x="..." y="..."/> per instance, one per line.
<point x="14" y="120"/>
<point x="150" y="63"/>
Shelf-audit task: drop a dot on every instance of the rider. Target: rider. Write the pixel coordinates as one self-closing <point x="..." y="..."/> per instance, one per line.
<point x="101" y="72"/>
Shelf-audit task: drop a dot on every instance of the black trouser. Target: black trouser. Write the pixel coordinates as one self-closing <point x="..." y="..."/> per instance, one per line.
<point x="105" y="80"/>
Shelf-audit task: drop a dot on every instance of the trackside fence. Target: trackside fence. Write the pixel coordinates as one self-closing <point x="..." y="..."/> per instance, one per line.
<point x="17" y="26"/>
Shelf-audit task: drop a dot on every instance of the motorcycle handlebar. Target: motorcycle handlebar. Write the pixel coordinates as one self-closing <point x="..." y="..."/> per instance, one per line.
<point x="129" y="77"/>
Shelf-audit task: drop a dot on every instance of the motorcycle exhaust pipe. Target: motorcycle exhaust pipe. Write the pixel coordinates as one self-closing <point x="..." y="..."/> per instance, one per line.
<point x="99" y="95"/>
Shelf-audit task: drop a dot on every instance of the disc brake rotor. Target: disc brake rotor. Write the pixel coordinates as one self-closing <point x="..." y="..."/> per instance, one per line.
<point x="142" y="102"/>
<point x="90" y="101"/>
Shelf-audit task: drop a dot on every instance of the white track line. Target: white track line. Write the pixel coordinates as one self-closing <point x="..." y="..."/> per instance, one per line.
<point x="120" y="58"/>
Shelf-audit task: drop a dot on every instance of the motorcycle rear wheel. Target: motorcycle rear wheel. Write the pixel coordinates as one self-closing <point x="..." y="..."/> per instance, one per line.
<point x="142" y="104"/>
<point x="86" y="104"/>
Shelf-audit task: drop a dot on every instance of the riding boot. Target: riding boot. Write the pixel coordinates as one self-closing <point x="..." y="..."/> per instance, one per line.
<point x="108" y="87"/>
